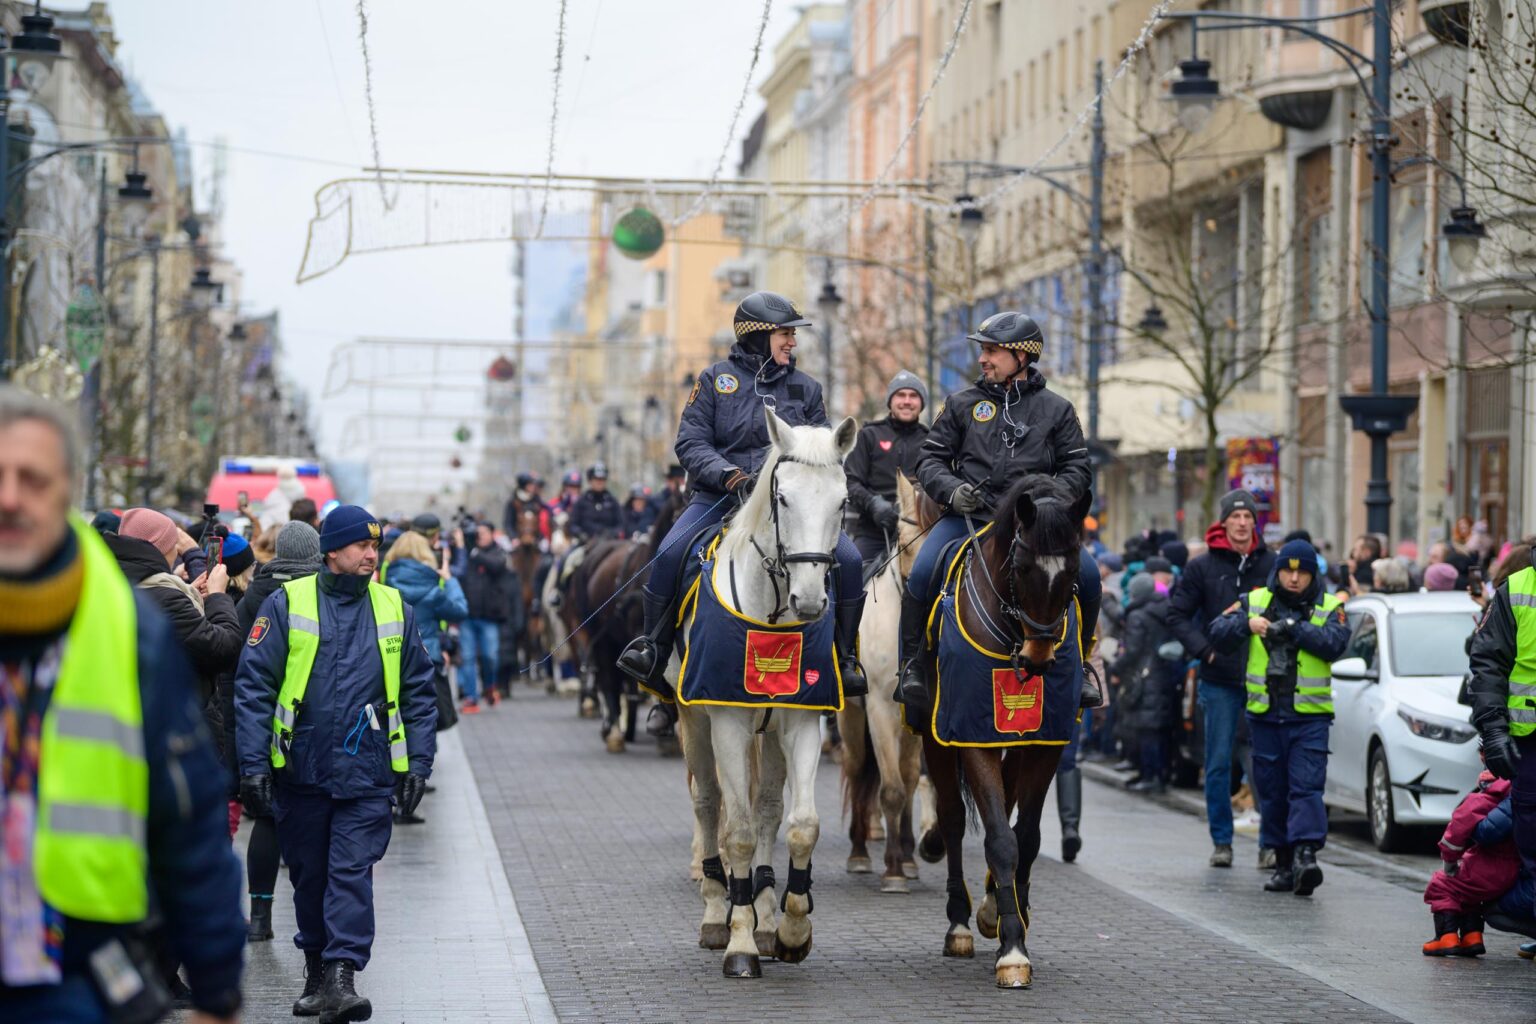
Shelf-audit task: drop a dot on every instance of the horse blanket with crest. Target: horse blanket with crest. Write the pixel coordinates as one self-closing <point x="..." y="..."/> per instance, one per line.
<point x="732" y="660"/>
<point x="983" y="699"/>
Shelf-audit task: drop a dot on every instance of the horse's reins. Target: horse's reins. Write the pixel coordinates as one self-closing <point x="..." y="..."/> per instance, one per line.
<point x="777" y="565"/>
<point x="1035" y="631"/>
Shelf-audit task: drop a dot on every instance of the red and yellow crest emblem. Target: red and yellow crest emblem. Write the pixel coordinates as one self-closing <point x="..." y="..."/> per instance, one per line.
<point x="1018" y="705"/>
<point x="772" y="666"/>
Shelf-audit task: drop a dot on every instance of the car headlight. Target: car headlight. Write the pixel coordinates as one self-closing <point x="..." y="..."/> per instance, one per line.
<point x="1433" y="727"/>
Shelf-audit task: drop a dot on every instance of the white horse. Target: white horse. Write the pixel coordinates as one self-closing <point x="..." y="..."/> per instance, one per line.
<point x="778" y="552"/>
<point x="880" y="756"/>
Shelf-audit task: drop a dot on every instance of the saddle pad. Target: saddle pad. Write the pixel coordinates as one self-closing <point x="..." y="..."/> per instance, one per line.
<point x="735" y="661"/>
<point x="982" y="702"/>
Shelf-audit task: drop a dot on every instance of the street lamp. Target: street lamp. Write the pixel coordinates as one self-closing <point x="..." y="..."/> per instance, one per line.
<point x="206" y="292"/>
<point x="36" y="49"/>
<point x="1194" y="93"/>
<point x="828" y="303"/>
<point x="969" y="219"/>
<point x="1152" y="321"/>
<point x="134" y="200"/>
<point x="1463" y="234"/>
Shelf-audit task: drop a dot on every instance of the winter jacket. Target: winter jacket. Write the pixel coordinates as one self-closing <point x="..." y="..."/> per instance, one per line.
<point x="636" y="523"/>
<point x="1481" y="836"/>
<point x="210" y="631"/>
<point x="195" y="881"/>
<point x="270" y="576"/>
<point x="432" y="598"/>
<point x="1230" y="633"/>
<point x="1148" y="683"/>
<point x="883" y="449"/>
<point x="597" y="514"/>
<point x="1494" y="644"/>
<point x="488" y="582"/>
<point x="723" y="427"/>
<point x="975" y="439"/>
<point x="1207" y="588"/>
<point x="348" y="675"/>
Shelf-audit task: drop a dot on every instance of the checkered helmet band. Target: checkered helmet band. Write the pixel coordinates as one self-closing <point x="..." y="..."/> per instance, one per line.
<point x="748" y="326"/>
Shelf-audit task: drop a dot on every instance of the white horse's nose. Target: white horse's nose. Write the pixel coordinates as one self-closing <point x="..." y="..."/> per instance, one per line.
<point x="805" y="612"/>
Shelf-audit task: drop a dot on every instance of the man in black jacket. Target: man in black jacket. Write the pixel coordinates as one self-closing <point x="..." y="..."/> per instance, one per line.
<point x="597" y="512"/>
<point x="487" y="581"/>
<point x="1235" y="563"/>
<point x="883" y="449"/>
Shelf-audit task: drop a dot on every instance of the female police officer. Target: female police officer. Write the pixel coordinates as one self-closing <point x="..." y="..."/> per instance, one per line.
<point x="722" y="442"/>
<point x="1004" y="426"/>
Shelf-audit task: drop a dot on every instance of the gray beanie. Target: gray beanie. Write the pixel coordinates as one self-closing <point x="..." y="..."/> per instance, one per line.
<point x="1141" y="587"/>
<point x="1235" y="501"/>
<point x="298" y="542"/>
<point x="906" y="379"/>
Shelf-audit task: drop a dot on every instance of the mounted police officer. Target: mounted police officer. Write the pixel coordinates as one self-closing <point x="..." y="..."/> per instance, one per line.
<point x="883" y="449"/>
<point x="527" y="498"/>
<point x="597" y="512"/>
<point x="1002" y="427"/>
<point x="334" y="697"/>
<point x="722" y="442"/>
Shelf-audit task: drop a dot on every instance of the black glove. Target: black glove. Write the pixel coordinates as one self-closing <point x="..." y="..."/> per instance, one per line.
<point x="412" y="788"/>
<point x="966" y="499"/>
<point x="885" y="515"/>
<point x="739" y="482"/>
<point x="256" y="794"/>
<point x="1499" y="751"/>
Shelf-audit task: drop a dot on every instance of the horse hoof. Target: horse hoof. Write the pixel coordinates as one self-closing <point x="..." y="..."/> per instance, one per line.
<point x="986" y="919"/>
<point x="895" y="883"/>
<point x="1015" y="976"/>
<point x="767" y="942"/>
<point x="931" y="846"/>
<point x="962" y="945"/>
<point x="909" y="869"/>
<point x="790" y="954"/>
<point x="714" y="936"/>
<point x="588" y="708"/>
<point x="742" y="965"/>
<point x="859" y="865"/>
<point x="615" y="742"/>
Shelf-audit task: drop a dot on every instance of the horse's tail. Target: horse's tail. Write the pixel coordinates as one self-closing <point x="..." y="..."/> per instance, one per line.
<point x="967" y="800"/>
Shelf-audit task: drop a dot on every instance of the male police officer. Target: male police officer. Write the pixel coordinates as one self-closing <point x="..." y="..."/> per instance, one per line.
<point x="1292" y="630"/>
<point x="883" y="449"/>
<point x="597" y="512"/>
<point x="335" y="695"/>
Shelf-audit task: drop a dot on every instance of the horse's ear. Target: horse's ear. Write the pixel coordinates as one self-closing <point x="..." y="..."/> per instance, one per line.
<point x="1082" y="506"/>
<point x="845" y="435"/>
<point x="1024" y="511"/>
<point x="778" y="431"/>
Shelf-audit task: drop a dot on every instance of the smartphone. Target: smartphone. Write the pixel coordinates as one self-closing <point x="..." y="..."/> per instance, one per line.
<point x="1475" y="581"/>
<point x="213" y="544"/>
<point x="242" y="499"/>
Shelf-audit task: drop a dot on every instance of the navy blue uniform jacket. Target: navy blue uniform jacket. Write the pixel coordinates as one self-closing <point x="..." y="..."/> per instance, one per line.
<point x="348" y="675"/>
<point x="723" y="427"/>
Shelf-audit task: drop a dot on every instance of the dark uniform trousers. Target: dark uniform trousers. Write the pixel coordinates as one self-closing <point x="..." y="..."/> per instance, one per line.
<point x="1290" y="766"/>
<point x="331" y="847"/>
<point x="1523" y="799"/>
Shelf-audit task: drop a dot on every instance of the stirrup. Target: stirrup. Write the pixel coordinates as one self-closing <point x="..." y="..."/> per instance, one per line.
<point x="661" y="720"/>
<point x="855" y="682"/>
<point x="1092" y="695"/>
<point x="628" y="661"/>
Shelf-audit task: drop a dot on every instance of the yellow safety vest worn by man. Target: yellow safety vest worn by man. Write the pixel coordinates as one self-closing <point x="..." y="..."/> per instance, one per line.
<point x="1504" y="698"/>
<point x="335" y="704"/>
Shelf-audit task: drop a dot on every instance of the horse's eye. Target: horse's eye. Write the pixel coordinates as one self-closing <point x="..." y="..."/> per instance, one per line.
<point x="783" y="501"/>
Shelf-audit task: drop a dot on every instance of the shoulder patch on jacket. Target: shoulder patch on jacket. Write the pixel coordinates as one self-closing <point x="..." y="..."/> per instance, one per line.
<point x="259" y="630"/>
<point x="1235" y="606"/>
<point x="694" y="394"/>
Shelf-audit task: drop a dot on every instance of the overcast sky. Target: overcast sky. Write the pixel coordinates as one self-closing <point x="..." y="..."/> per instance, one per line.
<point x="649" y="89"/>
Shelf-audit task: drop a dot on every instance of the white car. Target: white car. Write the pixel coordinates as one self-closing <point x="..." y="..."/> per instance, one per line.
<point x="1404" y="751"/>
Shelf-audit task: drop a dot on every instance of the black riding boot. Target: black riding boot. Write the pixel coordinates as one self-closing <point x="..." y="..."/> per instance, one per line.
<point x="1069" y="807"/>
<point x="847" y="634"/>
<point x="644" y="660"/>
<point x="339" y="1001"/>
<point x="308" y="1004"/>
<point x="1283" y="879"/>
<point x="912" y="690"/>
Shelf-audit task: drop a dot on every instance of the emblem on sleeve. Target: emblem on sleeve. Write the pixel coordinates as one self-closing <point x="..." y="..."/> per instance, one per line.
<point x="259" y="630"/>
<point x="726" y="384"/>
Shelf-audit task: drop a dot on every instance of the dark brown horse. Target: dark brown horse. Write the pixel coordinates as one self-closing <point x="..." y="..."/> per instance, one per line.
<point x="531" y="564"/>
<point x="1031" y="553"/>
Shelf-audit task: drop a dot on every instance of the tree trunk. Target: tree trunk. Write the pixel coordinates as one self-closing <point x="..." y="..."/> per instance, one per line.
<point x="1215" y="473"/>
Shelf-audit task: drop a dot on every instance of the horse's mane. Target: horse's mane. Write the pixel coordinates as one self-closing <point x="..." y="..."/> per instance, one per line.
<point x="1055" y="530"/>
<point x="814" y="446"/>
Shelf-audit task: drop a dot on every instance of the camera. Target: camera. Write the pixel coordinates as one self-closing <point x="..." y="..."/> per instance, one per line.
<point x="1281" y="644"/>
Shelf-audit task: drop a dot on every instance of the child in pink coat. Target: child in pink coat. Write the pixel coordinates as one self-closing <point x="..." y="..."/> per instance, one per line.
<point x="1481" y="864"/>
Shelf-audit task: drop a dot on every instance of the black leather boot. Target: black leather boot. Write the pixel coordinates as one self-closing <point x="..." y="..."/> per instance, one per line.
<point x="260" y="928"/>
<point x="339" y="1001"/>
<point x="1092" y="694"/>
<point x="912" y="689"/>
<point x="849" y="613"/>
<point x="644" y="659"/>
<point x="1069" y="807"/>
<point x="1283" y="878"/>
<point x="1308" y="874"/>
<point x="308" y="1004"/>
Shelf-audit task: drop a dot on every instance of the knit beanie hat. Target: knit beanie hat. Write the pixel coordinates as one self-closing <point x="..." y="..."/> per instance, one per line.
<point x="1440" y="576"/>
<point x="1177" y="552"/>
<point x="906" y="379"/>
<point x="238" y="555"/>
<point x="1235" y="501"/>
<point x="106" y="521"/>
<point x="348" y="524"/>
<point x="1297" y="554"/>
<point x="155" y="527"/>
<point x="1141" y="587"/>
<point x="1157" y="563"/>
<point x="298" y="542"/>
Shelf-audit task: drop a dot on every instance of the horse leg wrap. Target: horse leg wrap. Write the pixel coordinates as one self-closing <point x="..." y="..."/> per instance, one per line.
<point x="714" y="870"/>
<point x="741" y="896"/>
<point x="762" y="879"/>
<point x="958" y="907"/>
<point x="800" y="884"/>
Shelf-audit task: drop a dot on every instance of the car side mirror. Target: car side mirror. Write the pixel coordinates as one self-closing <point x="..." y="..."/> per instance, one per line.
<point x="1354" y="669"/>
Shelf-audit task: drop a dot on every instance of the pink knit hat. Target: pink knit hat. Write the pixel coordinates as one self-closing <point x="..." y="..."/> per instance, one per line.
<point x="155" y="527"/>
<point x="1440" y="576"/>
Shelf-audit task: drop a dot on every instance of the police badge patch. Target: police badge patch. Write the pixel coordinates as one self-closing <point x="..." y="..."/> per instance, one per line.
<point x="983" y="411"/>
<point x="726" y="384"/>
<point x="259" y="630"/>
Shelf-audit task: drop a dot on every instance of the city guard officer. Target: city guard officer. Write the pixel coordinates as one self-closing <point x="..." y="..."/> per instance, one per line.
<point x="335" y="701"/>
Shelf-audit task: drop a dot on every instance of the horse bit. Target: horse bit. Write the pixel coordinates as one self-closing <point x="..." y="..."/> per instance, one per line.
<point x="777" y="565"/>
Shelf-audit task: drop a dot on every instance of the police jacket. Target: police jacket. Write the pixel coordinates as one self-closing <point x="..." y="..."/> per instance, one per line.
<point x="1230" y="633"/>
<point x="723" y="427"/>
<point x="596" y="514"/>
<point x="1494" y="646"/>
<point x="194" y="879"/>
<point x="883" y="448"/>
<point x="989" y="435"/>
<point x="488" y="582"/>
<point x="1205" y="591"/>
<point x="348" y="675"/>
<point x="432" y="598"/>
<point x="636" y="523"/>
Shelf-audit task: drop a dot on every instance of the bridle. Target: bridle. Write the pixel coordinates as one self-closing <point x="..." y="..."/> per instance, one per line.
<point x="777" y="565"/>
<point x="1034" y="631"/>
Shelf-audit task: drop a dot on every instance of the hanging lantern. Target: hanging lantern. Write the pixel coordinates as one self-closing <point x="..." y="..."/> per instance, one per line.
<point x="639" y="234"/>
<point x="503" y="369"/>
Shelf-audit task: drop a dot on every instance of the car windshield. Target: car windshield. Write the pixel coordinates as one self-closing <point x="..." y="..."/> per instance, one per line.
<point x="1431" y="644"/>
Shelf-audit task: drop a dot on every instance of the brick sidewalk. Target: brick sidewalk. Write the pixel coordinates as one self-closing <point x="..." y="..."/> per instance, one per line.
<point x="596" y="849"/>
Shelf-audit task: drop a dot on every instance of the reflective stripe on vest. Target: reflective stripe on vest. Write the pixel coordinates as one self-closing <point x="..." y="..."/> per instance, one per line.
<point x="89" y="851"/>
<point x="1314" y="679"/>
<point x="1522" y="677"/>
<point x="304" y="644"/>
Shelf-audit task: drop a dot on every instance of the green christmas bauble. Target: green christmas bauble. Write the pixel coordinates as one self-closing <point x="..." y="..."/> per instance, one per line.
<point x="639" y="233"/>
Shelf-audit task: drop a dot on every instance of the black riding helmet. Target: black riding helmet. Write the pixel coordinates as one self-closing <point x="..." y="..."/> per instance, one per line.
<point x="1016" y="332"/>
<point x="759" y="315"/>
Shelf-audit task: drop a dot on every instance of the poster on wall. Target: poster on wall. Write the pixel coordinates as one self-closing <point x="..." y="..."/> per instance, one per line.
<point x="1253" y="463"/>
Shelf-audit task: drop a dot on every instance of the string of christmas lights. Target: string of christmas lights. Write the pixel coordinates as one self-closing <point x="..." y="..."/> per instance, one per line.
<point x="554" y="119"/>
<point x="373" y="117"/>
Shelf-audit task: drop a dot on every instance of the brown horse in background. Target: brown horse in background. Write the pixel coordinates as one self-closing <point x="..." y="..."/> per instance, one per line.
<point x="531" y="564"/>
